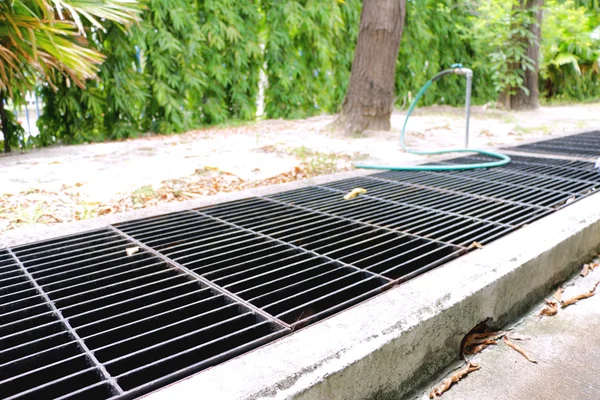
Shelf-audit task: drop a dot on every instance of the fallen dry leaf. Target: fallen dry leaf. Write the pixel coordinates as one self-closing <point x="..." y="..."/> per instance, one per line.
<point x="558" y="294"/>
<point x="475" y="245"/>
<point x="132" y="250"/>
<point x="475" y="342"/>
<point x="551" y="310"/>
<point x="586" y="270"/>
<point x="581" y="296"/>
<point x="455" y="377"/>
<point x="354" y="193"/>
<point x="476" y="349"/>
<point x="519" y="350"/>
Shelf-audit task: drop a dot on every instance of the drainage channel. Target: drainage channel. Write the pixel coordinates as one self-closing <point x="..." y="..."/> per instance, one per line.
<point x="121" y="311"/>
<point x="581" y="145"/>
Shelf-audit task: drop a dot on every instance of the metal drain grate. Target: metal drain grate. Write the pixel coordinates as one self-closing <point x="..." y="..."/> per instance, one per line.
<point x="581" y="145"/>
<point x="79" y="317"/>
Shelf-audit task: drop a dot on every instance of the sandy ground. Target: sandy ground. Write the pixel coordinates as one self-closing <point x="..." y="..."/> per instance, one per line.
<point x="102" y="172"/>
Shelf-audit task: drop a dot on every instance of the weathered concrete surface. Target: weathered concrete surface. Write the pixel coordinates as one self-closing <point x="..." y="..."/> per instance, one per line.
<point x="566" y="348"/>
<point x="392" y="344"/>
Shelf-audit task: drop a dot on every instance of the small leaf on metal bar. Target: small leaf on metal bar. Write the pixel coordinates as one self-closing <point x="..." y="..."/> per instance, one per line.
<point x="354" y="193"/>
<point x="132" y="250"/>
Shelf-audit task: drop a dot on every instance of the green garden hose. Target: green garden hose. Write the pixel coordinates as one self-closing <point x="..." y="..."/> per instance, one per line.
<point x="503" y="159"/>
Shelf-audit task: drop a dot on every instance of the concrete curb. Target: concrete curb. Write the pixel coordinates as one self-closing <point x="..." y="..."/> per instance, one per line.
<point x="386" y="347"/>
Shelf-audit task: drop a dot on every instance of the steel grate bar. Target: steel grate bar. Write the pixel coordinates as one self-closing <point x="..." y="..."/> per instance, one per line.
<point x="465" y="208"/>
<point x="431" y="199"/>
<point x="298" y="248"/>
<point x="199" y="278"/>
<point x="353" y="221"/>
<point x="451" y="191"/>
<point x="328" y="245"/>
<point x="581" y="145"/>
<point x="416" y="222"/>
<point x="129" y="314"/>
<point x="65" y="322"/>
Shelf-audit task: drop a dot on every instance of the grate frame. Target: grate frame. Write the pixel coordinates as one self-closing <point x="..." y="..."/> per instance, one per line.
<point x="583" y="145"/>
<point x="258" y="268"/>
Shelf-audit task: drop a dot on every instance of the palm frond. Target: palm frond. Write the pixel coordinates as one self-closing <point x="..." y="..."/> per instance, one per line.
<point x="40" y="38"/>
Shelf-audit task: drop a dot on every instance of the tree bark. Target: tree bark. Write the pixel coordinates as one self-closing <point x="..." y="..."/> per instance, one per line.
<point x="521" y="100"/>
<point x="4" y="124"/>
<point x="370" y="97"/>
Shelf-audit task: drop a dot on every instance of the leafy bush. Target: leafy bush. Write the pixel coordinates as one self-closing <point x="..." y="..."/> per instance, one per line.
<point x="501" y="36"/>
<point x="199" y="61"/>
<point x="570" y="68"/>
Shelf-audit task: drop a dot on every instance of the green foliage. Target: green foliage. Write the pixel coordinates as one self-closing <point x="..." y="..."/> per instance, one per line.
<point x="434" y="38"/>
<point x="570" y="68"/>
<point x="172" y="41"/>
<point x="200" y="61"/>
<point x="200" y="64"/>
<point x="304" y="40"/>
<point x="501" y="34"/>
<point x="108" y="108"/>
<point x="14" y="131"/>
<point x="122" y="91"/>
<point x="232" y="57"/>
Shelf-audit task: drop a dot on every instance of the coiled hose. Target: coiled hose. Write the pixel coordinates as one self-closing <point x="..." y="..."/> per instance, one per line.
<point x="503" y="159"/>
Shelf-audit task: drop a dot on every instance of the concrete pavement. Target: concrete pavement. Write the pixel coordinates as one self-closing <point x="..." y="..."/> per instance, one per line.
<point x="565" y="346"/>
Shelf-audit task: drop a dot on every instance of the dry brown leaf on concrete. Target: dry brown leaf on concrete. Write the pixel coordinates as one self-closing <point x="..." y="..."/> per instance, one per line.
<point x="558" y="294"/>
<point x="586" y="270"/>
<point x="519" y="350"/>
<point x="132" y="250"/>
<point x="354" y="193"/>
<point x="475" y="342"/>
<point x="551" y="310"/>
<point x="455" y="377"/>
<point x="478" y="348"/>
<point x="575" y="299"/>
<point x="475" y="245"/>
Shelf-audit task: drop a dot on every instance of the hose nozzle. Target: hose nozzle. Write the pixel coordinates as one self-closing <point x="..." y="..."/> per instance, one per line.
<point x="463" y="71"/>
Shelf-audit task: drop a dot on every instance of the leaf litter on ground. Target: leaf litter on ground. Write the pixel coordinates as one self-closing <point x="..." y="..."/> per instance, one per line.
<point x="514" y="346"/>
<point x="587" y="268"/>
<point x="455" y="377"/>
<point x="550" y="310"/>
<point x="39" y="206"/>
<point x="581" y="296"/>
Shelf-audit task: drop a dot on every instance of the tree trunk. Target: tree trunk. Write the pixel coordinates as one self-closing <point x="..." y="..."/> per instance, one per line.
<point x="521" y="100"/>
<point x="4" y="124"/>
<point x="370" y="97"/>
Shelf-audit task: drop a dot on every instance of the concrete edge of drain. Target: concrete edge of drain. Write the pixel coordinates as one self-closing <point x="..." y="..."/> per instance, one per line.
<point x="394" y="343"/>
